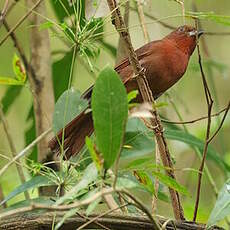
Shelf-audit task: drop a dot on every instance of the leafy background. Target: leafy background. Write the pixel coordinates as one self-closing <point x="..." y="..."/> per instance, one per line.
<point x="187" y="94"/>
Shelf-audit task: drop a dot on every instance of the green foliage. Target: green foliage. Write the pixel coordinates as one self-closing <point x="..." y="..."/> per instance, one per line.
<point x="110" y="111"/>
<point x="68" y="106"/>
<point x="94" y="155"/>
<point x="139" y="142"/>
<point x="61" y="74"/>
<point x="10" y="96"/>
<point x="90" y="175"/>
<point x="222" y="206"/>
<point x="19" y="71"/>
<point x="35" y="182"/>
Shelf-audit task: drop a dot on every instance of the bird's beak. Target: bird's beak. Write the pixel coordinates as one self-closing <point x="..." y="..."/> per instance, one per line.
<point x="200" y="32"/>
<point x="195" y="33"/>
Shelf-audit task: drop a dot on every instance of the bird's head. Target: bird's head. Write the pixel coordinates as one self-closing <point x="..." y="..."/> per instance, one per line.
<point x="185" y="38"/>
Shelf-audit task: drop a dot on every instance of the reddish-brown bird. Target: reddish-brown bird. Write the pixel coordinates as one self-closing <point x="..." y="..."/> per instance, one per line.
<point x="165" y="62"/>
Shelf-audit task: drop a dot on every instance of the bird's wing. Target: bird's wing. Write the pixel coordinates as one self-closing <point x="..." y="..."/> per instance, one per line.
<point x="142" y="52"/>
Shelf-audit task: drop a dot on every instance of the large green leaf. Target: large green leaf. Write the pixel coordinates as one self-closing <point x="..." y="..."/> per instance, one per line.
<point x="11" y="94"/>
<point x="194" y="141"/>
<point x="222" y="206"/>
<point x="110" y="111"/>
<point x="142" y="142"/>
<point x="34" y="182"/>
<point x="68" y="106"/>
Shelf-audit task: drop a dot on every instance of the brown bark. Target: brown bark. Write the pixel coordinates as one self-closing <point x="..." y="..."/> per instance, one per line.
<point x="41" y="83"/>
<point x="35" y="221"/>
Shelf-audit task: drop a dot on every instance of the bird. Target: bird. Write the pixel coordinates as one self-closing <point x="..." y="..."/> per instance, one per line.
<point x="165" y="61"/>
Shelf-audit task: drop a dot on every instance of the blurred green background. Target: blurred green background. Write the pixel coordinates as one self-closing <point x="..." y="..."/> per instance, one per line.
<point x="188" y="94"/>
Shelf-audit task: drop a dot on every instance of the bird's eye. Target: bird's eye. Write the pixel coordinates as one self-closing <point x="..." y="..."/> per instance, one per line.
<point x="181" y="29"/>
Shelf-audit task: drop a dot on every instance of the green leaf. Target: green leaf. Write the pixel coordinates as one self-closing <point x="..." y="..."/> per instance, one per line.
<point x="94" y="155"/>
<point x="61" y="74"/>
<point x="137" y="144"/>
<point x="35" y="182"/>
<point x="110" y="111"/>
<point x="46" y="25"/>
<point x="26" y="203"/>
<point x="90" y="175"/>
<point x="11" y="94"/>
<point x="64" y="8"/>
<point x="170" y="182"/>
<point x="194" y="141"/>
<point x="222" y="206"/>
<point x="132" y="95"/>
<point x="68" y="106"/>
<point x="19" y="69"/>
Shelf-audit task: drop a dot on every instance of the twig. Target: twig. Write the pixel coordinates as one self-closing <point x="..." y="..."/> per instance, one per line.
<point x="4" y="11"/>
<point x="138" y="204"/>
<point x="221" y="123"/>
<point x="147" y="97"/>
<point x="101" y="215"/>
<point x="209" y="101"/>
<point x="20" y="21"/>
<point x="13" y="150"/>
<point x="142" y="20"/>
<point x="194" y="120"/>
<point x="96" y="222"/>
<point x="24" y="151"/>
<point x="168" y="26"/>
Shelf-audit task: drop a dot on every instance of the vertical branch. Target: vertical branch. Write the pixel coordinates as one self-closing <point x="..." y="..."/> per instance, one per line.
<point x="209" y="102"/>
<point x="157" y="153"/>
<point x="3" y="12"/>
<point x="121" y="52"/>
<point x="13" y="150"/>
<point x="181" y="2"/>
<point x="147" y="96"/>
<point x="41" y="83"/>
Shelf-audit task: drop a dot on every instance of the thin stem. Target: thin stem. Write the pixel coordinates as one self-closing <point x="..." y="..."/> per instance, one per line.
<point x="13" y="150"/>
<point x="20" y="21"/>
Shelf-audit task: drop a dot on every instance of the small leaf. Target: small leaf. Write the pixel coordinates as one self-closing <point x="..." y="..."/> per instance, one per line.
<point x="110" y="111"/>
<point x="35" y="182"/>
<point x="68" y="106"/>
<point x="170" y="182"/>
<point x="222" y="206"/>
<point x="46" y="25"/>
<point x="90" y="175"/>
<point x="95" y="156"/>
<point x="132" y="95"/>
<point x="19" y="69"/>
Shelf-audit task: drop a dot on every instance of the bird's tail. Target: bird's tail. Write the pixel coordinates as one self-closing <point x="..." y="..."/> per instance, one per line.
<point x="74" y="135"/>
